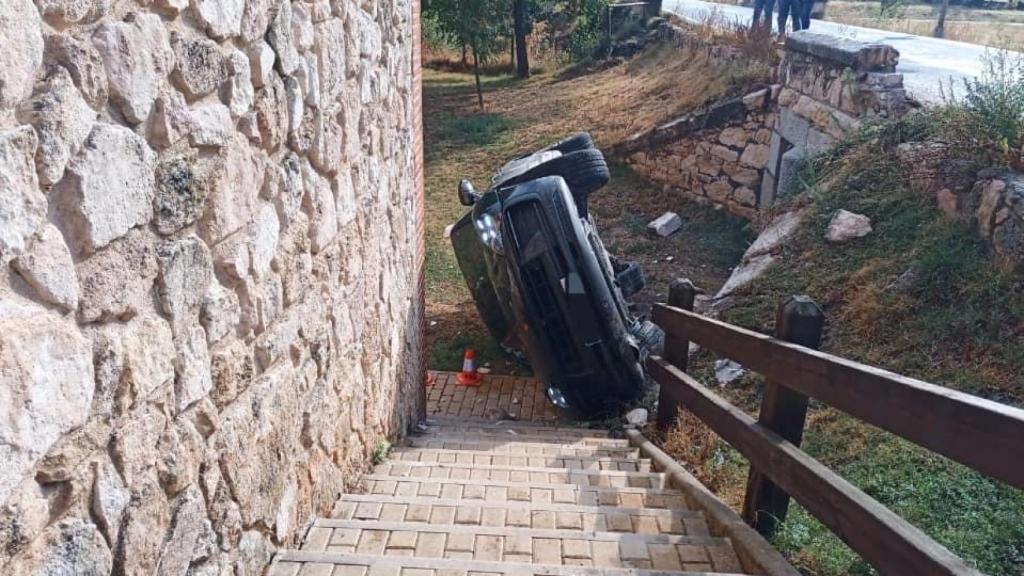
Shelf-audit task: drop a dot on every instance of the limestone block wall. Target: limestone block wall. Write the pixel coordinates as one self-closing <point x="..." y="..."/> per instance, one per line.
<point x="210" y="301"/>
<point x="716" y="156"/>
<point x="828" y="85"/>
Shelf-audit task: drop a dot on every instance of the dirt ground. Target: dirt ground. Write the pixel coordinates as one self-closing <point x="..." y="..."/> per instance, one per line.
<point x="612" y="104"/>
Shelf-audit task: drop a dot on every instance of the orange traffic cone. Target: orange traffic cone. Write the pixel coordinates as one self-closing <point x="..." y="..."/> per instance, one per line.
<point x="429" y="378"/>
<point x="469" y="376"/>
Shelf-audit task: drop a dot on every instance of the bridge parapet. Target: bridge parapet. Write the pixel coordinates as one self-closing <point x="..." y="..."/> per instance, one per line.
<point x="738" y="153"/>
<point x="828" y="86"/>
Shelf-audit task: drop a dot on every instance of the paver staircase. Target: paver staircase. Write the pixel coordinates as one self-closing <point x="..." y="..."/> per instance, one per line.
<point x="476" y="498"/>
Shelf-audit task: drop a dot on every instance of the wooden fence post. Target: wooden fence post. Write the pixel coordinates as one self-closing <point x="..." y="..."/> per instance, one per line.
<point x="800" y="321"/>
<point x="681" y="294"/>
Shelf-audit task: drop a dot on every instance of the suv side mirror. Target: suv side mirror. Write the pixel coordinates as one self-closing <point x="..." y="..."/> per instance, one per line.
<point x="467" y="194"/>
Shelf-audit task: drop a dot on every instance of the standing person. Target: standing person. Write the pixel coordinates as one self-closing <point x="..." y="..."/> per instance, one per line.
<point x="805" y="13"/>
<point x="763" y="5"/>
<point x="790" y="9"/>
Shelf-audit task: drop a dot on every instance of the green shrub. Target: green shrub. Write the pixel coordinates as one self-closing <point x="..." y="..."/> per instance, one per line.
<point x="992" y="105"/>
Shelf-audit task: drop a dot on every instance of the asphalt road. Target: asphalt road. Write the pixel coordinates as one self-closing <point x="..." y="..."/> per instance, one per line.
<point x="927" y="64"/>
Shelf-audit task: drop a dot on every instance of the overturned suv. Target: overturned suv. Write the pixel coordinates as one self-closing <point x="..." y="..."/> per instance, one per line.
<point x="544" y="283"/>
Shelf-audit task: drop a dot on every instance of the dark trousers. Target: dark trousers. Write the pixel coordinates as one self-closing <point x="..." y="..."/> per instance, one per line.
<point x="792" y="9"/>
<point x="765" y="6"/>
<point x="805" y="14"/>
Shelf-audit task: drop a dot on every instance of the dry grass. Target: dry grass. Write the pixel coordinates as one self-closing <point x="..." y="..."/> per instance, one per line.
<point x="995" y="28"/>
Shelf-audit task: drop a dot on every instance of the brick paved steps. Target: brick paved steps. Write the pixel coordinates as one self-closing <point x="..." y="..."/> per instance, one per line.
<point x="462" y="425"/>
<point x="518" y="447"/>
<point x="303" y="563"/>
<point x="475" y="498"/>
<point x="535" y="546"/>
<point x="520" y="514"/>
<point x="542" y="475"/>
<point x="504" y="491"/>
<point x="573" y="462"/>
<point x="528" y="436"/>
<point x="575" y="441"/>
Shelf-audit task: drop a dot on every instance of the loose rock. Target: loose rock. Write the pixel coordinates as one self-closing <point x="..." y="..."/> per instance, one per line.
<point x="666" y="224"/>
<point x="846" y="226"/>
<point x="636" y="417"/>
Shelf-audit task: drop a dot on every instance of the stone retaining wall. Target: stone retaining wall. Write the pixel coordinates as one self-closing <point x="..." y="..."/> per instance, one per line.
<point x="715" y="156"/>
<point x="209" y="307"/>
<point x="739" y="153"/>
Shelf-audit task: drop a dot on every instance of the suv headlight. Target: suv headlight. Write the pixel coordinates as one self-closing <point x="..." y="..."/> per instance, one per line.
<point x="488" y="227"/>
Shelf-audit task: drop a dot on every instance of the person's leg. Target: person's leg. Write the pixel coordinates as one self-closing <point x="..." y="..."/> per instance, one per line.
<point x="769" y="7"/>
<point x="783" y="14"/>
<point x="758" y="7"/>
<point x="805" y="14"/>
<point x="796" y="8"/>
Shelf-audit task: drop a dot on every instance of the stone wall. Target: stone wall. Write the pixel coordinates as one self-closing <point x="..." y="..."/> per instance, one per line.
<point x="739" y="153"/>
<point x="991" y="201"/>
<point x="209" y="307"/>
<point x="716" y="156"/>
<point x="828" y="86"/>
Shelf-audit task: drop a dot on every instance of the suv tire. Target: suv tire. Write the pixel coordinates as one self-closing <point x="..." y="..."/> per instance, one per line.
<point x="578" y="141"/>
<point x="584" y="171"/>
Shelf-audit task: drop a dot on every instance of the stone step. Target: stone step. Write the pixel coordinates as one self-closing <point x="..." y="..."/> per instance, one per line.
<point x="525" y="448"/>
<point x="573" y="462"/>
<point x="522" y="514"/>
<point x="308" y="563"/>
<point x="532" y="546"/>
<point x="580" y="441"/>
<point x="566" y="430"/>
<point x="524" y="474"/>
<point x="503" y="491"/>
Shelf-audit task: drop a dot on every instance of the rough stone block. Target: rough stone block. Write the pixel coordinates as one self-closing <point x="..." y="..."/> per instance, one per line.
<point x="666" y="224"/>
<point x="22" y="40"/>
<point x="40" y="405"/>
<point x="62" y="120"/>
<point x="792" y="162"/>
<point x="137" y="55"/>
<point x="24" y="205"/>
<point x="49" y="269"/>
<point x="199" y="66"/>
<point x="109" y="187"/>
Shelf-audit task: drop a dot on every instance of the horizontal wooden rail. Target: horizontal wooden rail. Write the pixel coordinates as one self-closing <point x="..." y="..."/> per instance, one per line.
<point x="983" y="435"/>
<point x="881" y="537"/>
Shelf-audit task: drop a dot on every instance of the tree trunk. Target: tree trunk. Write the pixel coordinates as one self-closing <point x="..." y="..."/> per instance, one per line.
<point x="940" y="27"/>
<point x="464" y="57"/>
<point x="476" y="73"/>
<point x="519" y="25"/>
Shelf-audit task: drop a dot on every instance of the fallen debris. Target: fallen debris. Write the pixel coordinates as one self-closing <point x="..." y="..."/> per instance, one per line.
<point x="846" y="226"/>
<point x="636" y="417"/>
<point x="728" y="371"/>
<point x="666" y="224"/>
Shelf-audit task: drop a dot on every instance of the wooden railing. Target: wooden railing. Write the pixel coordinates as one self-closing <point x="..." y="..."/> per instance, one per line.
<point x="983" y="435"/>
